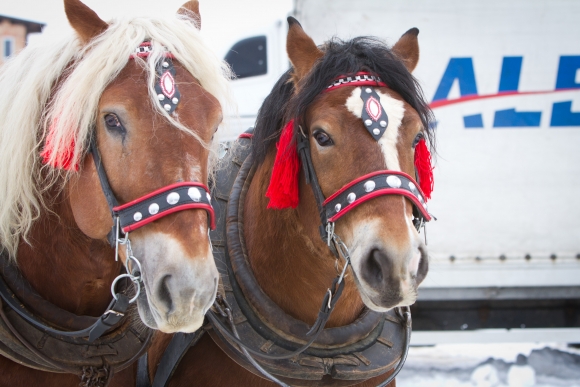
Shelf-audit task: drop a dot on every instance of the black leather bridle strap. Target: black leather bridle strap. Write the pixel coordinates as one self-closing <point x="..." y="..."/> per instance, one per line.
<point x="178" y="346"/>
<point x="143" y="210"/>
<point x="106" y="188"/>
<point x="303" y="148"/>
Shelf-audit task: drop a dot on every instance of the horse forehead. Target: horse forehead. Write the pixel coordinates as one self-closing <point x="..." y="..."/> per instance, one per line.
<point x="129" y="92"/>
<point x="395" y="110"/>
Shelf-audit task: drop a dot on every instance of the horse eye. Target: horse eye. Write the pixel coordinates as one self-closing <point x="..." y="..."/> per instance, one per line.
<point x="418" y="138"/>
<point x="322" y="138"/>
<point x="112" y="122"/>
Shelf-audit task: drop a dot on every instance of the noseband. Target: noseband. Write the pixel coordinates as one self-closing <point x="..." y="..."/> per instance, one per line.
<point x="164" y="201"/>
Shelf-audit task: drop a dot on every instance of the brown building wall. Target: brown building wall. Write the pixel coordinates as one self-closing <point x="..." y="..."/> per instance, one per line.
<point x="17" y="31"/>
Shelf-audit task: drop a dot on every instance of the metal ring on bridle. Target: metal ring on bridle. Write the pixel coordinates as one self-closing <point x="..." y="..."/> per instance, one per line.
<point x="131" y="258"/>
<point x="135" y="281"/>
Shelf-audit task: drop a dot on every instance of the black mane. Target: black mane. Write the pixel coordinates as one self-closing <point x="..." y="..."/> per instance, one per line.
<point x="340" y="58"/>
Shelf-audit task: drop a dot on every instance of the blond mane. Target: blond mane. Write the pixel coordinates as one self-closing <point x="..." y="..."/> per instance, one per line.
<point x="32" y="102"/>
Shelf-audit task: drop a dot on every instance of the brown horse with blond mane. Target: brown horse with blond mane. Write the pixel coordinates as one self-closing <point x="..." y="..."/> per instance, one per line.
<point x="339" y="149"/>
<point x="105" y="145"/>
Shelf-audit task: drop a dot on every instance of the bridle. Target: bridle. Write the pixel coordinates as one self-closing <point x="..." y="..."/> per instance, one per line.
<point x="331" y="209"/>
<point x="164" y="201"/>
<point x="131" y="216"/>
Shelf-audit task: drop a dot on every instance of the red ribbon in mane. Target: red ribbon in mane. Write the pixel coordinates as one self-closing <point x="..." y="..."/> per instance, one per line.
<point x="64" y="159"/>
<point x="424" y="168"/>
<point x="283" y="188"/>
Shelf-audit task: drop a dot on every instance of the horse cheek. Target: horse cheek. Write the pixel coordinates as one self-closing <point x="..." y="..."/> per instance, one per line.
<point x="88" y="203"/>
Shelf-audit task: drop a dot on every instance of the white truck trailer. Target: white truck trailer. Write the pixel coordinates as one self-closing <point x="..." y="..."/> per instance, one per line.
<point x="503" y="79"/>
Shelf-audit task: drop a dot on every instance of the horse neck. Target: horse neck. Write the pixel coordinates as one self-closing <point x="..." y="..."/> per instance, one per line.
<point x="64" y="266"/>
<point x="290" y="261"/>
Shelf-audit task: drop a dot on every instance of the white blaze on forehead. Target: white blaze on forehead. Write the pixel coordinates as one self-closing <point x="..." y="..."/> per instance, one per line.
<point x="395" y="110"/>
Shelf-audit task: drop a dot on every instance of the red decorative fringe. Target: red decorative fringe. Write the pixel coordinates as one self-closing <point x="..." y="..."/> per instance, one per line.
<point x="63" y="159"/>
<point x="424" y="168"/>
<point x="283" y="188"/>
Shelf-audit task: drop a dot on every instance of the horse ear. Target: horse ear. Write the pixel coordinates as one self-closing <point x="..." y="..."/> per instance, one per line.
<point x="302" y="51"/>
<point x="191" y="9"/>
<point x="407" y="49"/>
<point x="84" y="20"/>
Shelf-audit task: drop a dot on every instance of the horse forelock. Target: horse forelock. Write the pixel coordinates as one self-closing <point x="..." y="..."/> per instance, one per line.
<point x="56" y="87"/>
<point x="340" y="58"/>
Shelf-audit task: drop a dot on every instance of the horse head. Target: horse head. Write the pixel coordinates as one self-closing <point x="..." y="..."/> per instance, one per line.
<point x="361" y="117"/>
<point x="142" y="150"/>
<point x="127" y="112"/>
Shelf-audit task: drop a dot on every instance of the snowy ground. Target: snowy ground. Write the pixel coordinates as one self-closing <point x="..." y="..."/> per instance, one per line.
<point x="492" y="365"/>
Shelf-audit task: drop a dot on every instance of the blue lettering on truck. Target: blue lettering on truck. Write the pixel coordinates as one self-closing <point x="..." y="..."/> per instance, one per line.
<point x="462" y="71"/>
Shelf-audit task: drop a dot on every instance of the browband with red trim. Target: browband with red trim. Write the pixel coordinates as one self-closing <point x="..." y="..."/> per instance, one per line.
<point x="164" y="201"/>
<point x="372" y="185"/>
<point x="144" y="50"/>
<point x="361" y="78"/>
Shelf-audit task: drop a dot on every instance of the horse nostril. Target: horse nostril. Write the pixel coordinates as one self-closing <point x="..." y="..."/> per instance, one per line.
<point x="374" y="266"/>
<point x="423" y="266"/>
<point x="163" y="293"/>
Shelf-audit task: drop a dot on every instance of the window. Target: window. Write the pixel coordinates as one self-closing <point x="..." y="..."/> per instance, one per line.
<point x="248" y="57"/>
<point x="7" y="47"/>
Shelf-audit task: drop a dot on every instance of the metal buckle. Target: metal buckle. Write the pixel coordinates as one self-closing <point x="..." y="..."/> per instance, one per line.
<point x="329" y="232"/>
<point x="342" y="251"/>
<point x="111" y="311"/>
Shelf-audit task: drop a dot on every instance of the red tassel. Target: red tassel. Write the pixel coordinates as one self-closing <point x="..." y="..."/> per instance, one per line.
<point x="424" y="168"/>
<point x="283" y="188"/>
<point x="64" y="159"/>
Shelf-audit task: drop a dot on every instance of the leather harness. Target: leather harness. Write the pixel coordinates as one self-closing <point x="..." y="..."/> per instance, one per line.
<point x="289" y="350"/>
<point x="27" y="338"/>
<point x="95" y="348"/>
<point x="369" y="347"/>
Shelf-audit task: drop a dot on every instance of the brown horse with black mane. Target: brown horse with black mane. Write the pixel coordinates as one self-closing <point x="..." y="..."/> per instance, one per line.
<point x="352" y="115"/>
<point x="105" y="145"/>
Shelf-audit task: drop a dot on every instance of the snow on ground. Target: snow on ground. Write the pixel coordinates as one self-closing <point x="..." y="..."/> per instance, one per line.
<point x="492" y="365"/>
